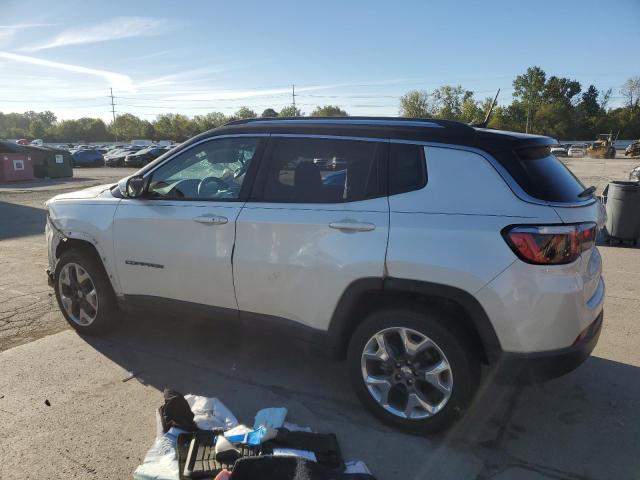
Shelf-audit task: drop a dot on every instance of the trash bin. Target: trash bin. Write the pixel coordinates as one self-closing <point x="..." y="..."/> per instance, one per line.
<point x="623" y="210"/>
<point x="63" y="161"/>
<point x="50" y="162"/>
<point x="15" y="167"/>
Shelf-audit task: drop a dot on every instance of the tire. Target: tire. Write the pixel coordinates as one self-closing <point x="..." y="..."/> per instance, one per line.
<point x="106" y="314"/>
<point x="462" y="378"/>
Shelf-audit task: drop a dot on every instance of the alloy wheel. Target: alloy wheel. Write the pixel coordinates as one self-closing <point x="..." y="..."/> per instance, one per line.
<point x="406" y="373"/>
<point x="78" y="294"/>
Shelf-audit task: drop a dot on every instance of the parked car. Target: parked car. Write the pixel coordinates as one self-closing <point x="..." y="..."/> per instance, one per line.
<point x="115" y="158"/>
<point x="417" y="281"/>
<point x="577" y="150"/>
<point x="632" y="150"/>
<point x="144" y="156"/>
<point x="634" y="175"/>
<point x="85" y="157"/>
<point x="560" y="150"/>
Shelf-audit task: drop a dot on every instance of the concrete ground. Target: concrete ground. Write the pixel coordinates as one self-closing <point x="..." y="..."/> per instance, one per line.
<point x="99" y="422"/>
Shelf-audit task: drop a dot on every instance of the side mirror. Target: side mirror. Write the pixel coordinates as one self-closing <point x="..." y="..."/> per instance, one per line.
<point x="132" y="187"/>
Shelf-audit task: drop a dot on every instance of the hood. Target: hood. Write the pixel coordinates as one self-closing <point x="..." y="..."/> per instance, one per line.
<point x="91" y="192"/>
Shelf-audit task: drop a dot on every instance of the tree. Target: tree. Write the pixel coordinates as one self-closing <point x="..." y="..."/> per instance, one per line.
<point x="472" y="111"/>
<point x="605" y="96"/>
<point x="589" y="103"/>
<point x="528" y="89"/>
<point x="631" y="92"/>
<point x="127" y="127"/>
<point x="290" y="111"/>
<point x="245" y="112"/>
<point x="37" y="129"/>
<point x="560" y="90"/>
<point x="209" y="121"/>
<point x="415" y="104"/>
<point x="329" y="111"/>
<point x="83" y="129"/>
<point x="447" y="101"/>
<point x="173" y="126"/>
<point x="269" y="112"/>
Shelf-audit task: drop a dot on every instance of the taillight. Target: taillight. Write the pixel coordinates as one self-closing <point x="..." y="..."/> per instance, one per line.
<point x="550" y="244"/>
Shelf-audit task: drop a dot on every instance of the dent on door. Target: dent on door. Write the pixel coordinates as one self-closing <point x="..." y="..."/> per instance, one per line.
<point x="295" y="262"/>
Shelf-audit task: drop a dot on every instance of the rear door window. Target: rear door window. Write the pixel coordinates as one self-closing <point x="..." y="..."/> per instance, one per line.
<point x="542" y="175"/>
<point x="319" y="170"/>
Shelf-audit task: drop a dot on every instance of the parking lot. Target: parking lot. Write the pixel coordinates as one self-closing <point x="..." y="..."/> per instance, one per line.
<point x="582" y="426"/>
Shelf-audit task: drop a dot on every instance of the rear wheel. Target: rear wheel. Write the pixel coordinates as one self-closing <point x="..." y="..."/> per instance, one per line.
<point x="84" y="293"/>
<point x="411" y="371"/>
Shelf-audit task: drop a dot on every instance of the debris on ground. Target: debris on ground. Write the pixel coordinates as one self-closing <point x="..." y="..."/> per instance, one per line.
<point x="199" y="437"/>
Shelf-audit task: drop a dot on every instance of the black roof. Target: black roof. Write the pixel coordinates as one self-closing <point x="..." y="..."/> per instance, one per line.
<point x="412" y="129"/>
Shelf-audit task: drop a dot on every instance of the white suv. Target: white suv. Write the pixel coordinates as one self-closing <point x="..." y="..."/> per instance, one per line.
<point x="433" y="248"/>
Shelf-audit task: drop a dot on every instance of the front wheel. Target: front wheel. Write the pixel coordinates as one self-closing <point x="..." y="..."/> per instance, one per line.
<point x="411" y="371"/>
<point x="84" y="293"/>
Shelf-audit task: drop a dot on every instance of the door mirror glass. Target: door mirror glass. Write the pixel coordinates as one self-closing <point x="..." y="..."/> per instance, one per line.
<point x="134" y="187"/>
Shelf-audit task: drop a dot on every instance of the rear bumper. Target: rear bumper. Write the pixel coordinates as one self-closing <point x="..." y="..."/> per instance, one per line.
<point x="526" y="368"/>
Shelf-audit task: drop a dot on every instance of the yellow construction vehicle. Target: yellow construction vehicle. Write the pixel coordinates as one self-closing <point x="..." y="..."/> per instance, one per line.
<point x="603" y="147"/>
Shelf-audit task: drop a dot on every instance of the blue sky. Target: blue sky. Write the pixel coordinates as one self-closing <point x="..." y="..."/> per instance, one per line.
<point x="194" y="57"/>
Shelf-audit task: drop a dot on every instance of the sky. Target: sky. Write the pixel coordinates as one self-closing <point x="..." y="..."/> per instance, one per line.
<point x="194" y="57"/>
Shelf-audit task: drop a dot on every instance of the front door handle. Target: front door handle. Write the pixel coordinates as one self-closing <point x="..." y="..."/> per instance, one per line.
<point x="352" y="226"/>
<point x="212" y="219"/>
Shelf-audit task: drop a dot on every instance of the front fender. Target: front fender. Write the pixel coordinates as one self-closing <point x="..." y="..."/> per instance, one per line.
<point x="91" y="223"/>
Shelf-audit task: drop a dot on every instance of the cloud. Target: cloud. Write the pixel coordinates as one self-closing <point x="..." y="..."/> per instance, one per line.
<point x="20" y="26"/>
<point x="116" y="28"/>
<point x="8" y="31"/>
<point x="116" y="80"/>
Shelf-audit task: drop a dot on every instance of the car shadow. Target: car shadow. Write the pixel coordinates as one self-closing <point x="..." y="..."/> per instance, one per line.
<point x="20" y="220"/>
<point x="580" y="426"/>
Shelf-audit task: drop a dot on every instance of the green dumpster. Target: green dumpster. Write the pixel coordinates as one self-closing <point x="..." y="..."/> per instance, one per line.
<point x="50" y="162"/>
<point x="63" y="165"/>
<point x="47" y="162"/>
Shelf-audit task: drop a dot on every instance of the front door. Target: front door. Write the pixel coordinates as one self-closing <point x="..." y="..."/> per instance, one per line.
<point x="177" y="241"/>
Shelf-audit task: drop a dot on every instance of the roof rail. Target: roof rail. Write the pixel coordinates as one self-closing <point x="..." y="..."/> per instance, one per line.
<point x="365" y="121"/>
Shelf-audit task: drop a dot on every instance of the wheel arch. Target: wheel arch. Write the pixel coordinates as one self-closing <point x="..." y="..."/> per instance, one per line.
<point x="83" y="244"/>
<point x="365" y="295"/>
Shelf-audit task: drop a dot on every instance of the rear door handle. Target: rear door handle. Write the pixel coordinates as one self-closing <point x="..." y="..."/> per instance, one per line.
<point x="352" y="226"/>
<point x="212" y="219"/>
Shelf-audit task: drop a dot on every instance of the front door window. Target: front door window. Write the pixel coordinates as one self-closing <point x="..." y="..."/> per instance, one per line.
<point x="213" y="170"/>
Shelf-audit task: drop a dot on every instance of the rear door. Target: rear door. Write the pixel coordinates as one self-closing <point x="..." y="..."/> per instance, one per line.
<point x="318" y="220"/>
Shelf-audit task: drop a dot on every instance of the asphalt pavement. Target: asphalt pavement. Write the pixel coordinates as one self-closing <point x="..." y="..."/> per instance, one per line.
<point x="82" y="407"/>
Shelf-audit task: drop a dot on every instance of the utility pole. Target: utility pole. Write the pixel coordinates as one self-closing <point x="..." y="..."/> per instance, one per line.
<point x="293" y="96"/>
<point x="113" y="109"/>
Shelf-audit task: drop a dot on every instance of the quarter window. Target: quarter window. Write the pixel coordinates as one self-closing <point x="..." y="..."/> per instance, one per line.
<point x="310" y="170"/>
<point x="407" y="169"/>
<point x="213" y="170"/>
